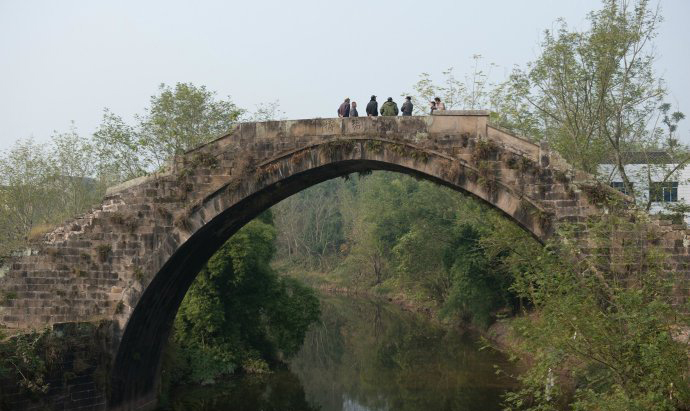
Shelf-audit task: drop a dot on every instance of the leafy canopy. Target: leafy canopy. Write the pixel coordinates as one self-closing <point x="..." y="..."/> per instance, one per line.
<point x="239" y="312"/>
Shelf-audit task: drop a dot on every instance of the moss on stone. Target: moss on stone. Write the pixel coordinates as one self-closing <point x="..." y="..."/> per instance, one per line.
<point x="103" y="251"/>
<point x="138" y="274"/>
<point x="333" y="148"/>
<point x="374" y="146"/>
<point x="484" y="149"/>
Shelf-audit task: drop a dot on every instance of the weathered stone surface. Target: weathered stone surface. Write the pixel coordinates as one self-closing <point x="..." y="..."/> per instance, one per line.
<point x="132" y="259"/>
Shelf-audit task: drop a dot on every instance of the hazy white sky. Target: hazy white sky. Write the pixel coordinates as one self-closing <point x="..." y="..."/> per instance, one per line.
<point x="67" y="60"/>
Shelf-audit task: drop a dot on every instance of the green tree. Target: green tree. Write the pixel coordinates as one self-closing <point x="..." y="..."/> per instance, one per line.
<point x="178" y="119"/>
<point x="594" y="92"/>
<point x="480" y="285"/>
<point x="366" y="258"/>
<point x="75" y="174"/>
<point x="181" y="118"/>
<point x="27" y="194"/>
<point x="613" y="333"/>
<point x="120" y="154"/>
<point x="268" y="112"/>
<point x="42" y="186"/>
<point x="310" y="225"/>
<point x="472" y="92"/>
<point x="239" y="312"/>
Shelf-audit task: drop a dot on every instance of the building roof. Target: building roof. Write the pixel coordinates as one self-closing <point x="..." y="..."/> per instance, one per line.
<point x="648" y="157"/>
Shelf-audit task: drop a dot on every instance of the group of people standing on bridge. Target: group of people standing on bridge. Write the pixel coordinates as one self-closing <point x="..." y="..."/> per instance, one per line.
<point x="388" y="108"/>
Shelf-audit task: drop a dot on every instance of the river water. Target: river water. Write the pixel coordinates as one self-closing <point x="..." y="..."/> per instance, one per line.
<point x="367" y="356"/>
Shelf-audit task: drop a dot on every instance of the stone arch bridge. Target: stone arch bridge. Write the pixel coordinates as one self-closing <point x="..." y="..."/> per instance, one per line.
<point x="131" y="259"/>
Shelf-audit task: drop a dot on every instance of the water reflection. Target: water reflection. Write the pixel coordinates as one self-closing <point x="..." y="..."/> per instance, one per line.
<point x="367" y="356"/>
<point x="351" y="405"/>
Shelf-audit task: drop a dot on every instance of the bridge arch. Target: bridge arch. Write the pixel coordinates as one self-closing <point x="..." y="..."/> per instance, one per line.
<point x="207" y="223"/>
<point x="218" y="216"/>
<point x="132" y="259"/>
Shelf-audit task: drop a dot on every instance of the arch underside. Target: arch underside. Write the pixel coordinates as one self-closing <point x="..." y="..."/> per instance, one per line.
<point x="137" y="364"/>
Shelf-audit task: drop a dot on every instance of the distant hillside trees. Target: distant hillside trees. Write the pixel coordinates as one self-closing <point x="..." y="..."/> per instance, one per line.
<point x="388" y="232"/>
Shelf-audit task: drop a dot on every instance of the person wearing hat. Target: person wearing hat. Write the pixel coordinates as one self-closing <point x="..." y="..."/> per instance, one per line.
<point x="407" y="107"/>
<point x="373" y="107"/>
<point x="344" y="109"/>
<point x="389" y="108"/>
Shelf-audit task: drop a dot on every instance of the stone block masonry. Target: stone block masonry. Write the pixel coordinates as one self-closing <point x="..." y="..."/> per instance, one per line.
<point x="131" y="259"/>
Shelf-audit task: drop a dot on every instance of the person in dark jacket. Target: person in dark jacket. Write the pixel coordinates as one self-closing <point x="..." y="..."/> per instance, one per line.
<point x="407" y="106"/>
<point x="353" y="110"/>
<point x="389" y="108"/>
<point x="373" y="107"/>
<point x="344" y="109"/>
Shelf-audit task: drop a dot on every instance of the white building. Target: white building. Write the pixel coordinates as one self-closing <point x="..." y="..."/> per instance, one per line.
<point x="657" y="175"/>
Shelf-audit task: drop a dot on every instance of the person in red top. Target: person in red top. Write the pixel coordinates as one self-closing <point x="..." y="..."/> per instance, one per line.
<point x="344" y="109"/>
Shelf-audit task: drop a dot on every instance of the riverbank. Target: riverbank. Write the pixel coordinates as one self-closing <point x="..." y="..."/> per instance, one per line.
<point x="328" y="283"/>
<point x="498" y="335"/>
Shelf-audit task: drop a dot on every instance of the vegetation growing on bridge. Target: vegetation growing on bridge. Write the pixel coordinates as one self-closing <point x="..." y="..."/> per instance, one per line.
<point x="36" y="366"/>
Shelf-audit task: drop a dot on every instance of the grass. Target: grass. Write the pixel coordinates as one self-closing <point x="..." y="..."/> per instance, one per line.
<point x="38" y="231"/>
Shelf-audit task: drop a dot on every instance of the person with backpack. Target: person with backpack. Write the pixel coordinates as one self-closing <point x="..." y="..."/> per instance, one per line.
<point x="407" y="107"/>
<point x="344" y="109"/>
<point x="389" y="108"/>
<point x="373" y="107"/>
